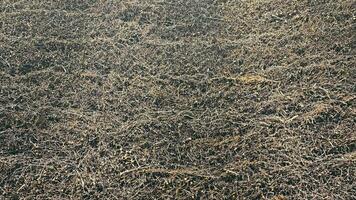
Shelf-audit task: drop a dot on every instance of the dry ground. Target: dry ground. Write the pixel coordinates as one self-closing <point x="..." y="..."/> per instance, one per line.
<point x="177" y="99"/>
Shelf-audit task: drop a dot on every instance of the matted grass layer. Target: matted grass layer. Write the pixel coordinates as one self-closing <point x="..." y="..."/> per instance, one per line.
<point x="177" y="99"/>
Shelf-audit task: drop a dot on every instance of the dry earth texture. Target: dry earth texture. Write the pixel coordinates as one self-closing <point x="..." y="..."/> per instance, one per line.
<point x="177" y="99"/>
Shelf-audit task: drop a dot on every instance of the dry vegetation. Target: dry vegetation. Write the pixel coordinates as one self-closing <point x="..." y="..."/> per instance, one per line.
<point x="177" y="99"/>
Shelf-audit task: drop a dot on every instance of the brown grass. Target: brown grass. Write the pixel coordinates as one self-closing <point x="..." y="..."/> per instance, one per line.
<point x="208" y="99"/>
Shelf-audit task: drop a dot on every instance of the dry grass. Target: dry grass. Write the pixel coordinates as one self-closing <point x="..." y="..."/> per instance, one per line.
<point x="210" y="99"/>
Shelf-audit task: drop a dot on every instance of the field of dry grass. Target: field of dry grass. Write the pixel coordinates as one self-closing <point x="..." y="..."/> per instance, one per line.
<point x="177" y="99"/>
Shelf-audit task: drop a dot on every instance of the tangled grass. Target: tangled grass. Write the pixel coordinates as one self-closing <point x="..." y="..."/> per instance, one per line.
<point x="210" y="99"/>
